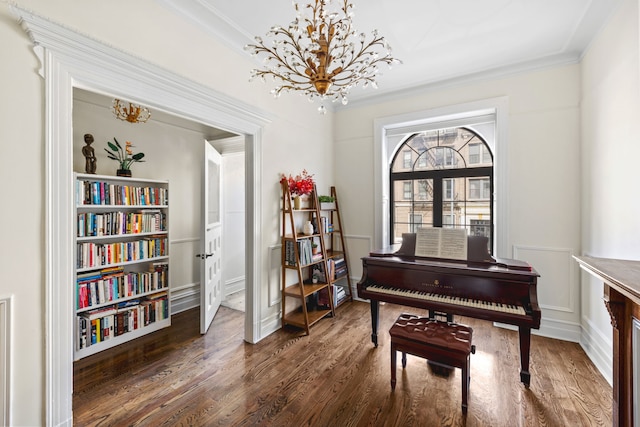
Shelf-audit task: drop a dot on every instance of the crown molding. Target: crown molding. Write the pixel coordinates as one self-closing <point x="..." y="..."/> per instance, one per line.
<point x="84" y="53"/>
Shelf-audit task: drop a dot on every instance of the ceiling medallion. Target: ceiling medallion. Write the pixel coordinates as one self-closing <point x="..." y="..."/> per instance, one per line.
<point x="320" y="53"/>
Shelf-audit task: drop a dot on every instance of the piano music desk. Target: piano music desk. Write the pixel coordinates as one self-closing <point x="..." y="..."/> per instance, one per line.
<point x="443" y="343"/>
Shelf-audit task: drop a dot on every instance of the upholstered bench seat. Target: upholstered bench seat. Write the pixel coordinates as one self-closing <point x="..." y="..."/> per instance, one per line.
<point x="444" y="343"/>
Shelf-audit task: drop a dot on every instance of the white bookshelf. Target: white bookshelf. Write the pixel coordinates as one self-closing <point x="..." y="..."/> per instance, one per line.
<point x="121" y="286"/>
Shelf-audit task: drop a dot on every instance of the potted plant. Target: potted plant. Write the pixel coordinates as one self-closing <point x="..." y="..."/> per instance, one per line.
<point x="124" y="156"/>
<point x="327" y="203"/>
<point x="314" y="248"/>
<point x="300" y="185"/>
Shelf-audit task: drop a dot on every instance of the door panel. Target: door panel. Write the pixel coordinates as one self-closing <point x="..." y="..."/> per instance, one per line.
<point x="211" y="235"/>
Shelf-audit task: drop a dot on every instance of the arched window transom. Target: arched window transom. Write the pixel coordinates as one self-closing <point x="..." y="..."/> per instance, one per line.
<point x="442" y="178"/>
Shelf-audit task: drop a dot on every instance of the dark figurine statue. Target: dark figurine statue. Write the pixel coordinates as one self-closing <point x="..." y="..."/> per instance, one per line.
<point x="89" y="154"/>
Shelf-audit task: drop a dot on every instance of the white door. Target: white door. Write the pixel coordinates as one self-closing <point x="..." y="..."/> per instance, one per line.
<point x="211" y="236"/>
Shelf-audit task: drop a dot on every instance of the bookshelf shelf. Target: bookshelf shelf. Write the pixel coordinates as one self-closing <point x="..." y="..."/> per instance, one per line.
<point x="122" y="261"/>
<point x="118" y="236"/>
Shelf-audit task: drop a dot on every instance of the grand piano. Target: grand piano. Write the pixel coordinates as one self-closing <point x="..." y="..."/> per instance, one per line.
<point x="498" y="290"/>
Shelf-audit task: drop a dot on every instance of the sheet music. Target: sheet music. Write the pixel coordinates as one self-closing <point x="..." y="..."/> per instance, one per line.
<point x="436" y="242"/>
<point x="428" y="242"/>
<point x="453" y="243"/>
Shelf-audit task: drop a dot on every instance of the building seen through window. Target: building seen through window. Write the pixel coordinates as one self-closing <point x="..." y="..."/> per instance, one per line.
<point x="442" y="178"/>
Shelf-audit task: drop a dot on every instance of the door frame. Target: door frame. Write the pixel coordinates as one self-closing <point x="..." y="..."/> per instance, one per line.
<point x="69" y="60"/>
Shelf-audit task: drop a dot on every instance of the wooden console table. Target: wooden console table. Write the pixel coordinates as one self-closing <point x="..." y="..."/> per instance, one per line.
<point x="622" y="298"/>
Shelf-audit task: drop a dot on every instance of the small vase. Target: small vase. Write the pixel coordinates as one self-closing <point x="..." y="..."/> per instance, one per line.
<point x="296" y="202"/>
<point x="307" y="228"/>
<point x="124" y="172"/>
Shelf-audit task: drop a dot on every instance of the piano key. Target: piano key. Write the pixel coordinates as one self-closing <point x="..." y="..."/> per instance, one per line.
<point x="461" y="301"/>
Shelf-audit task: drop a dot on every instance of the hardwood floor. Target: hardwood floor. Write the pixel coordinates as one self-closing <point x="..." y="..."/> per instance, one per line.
<point x="334" y="377"/>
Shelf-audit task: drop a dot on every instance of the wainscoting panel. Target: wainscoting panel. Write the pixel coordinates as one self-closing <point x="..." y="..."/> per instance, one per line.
<point x="184" y="274"/>
<point x="557" y="289"/>
<point x="274" y="277"/>
<point x="5" y="361"/>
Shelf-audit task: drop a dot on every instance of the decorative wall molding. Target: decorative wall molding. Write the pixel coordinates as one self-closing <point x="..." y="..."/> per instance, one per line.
<point x="274" y="278"/>
<point x="557" y="267"/>
<point x="184" y="240"/>
<point x="71" y="60"/>
<point x="5" y="361"/>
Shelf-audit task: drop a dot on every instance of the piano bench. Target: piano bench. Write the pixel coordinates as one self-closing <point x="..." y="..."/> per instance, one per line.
<point x="442" y="343"/>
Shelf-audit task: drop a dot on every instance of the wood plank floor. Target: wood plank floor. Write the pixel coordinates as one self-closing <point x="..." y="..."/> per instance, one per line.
<point x="334" y="377"/>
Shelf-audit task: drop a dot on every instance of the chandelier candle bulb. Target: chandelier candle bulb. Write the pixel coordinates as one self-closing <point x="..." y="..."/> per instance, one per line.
<point x="326" y="59"/>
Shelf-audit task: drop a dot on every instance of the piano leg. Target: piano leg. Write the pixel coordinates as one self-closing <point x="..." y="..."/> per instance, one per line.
<point x="375" y="310"/>
<point x="525" y="345"/>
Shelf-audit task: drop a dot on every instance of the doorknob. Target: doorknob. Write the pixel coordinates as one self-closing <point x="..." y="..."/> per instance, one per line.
<point x="203" y="256"/>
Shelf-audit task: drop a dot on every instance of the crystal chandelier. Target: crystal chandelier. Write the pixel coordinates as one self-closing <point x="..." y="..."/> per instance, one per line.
<point x="132" y="113"/>
<point x="320" y="54"/>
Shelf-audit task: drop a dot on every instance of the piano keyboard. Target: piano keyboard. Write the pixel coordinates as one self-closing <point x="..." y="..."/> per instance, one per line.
<point x="467" y="302"/>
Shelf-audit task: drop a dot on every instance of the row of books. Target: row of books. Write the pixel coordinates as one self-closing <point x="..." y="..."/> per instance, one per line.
<point x="339" y="294"/>
<point x="337" y="268"/>
<point x="305" y="251"/>
<point x="96" y="326"/>
<point x="90" y="254"/>
<point x="325" y="225"/>
<point x="118" y="223"/>
<point x="110" y="284"/>
<point x="105" y="193"/>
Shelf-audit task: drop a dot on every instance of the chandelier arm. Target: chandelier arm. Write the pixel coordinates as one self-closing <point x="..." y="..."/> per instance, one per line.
<point x="300" y="84"/>
<point x="281" y="58"/>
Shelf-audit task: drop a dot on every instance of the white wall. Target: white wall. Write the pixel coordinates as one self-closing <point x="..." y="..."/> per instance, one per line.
<point x="296" y="138"/>
<point x="172" y="153"/>
<point x="610" y="150"/>
<point x="233" y="222"/>
<point x="542" y="174"/>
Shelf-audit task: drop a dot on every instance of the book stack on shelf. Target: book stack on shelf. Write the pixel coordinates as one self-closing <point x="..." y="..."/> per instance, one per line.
<point x="304" y="249"/>
<point x="122" y="260"/>
<point x="103" y="324"/>
<point x="337" y="268"/>
<point x="110" y="284"/>
<point x="337" y="263"/>
<point x="339" y="295"/>
<point x="91" y="191"/>
<point x="117" y="223"/>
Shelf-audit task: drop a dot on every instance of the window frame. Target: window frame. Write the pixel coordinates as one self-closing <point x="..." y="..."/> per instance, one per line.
<point x="438" y="178"/>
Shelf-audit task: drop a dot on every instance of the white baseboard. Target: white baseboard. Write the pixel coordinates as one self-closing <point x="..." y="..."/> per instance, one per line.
<point x="599" y="349"/>
<point x="234" y="285"/>
<point x="185" y="297"/>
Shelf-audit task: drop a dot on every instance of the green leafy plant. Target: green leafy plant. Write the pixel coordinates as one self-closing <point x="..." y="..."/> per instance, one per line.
<point x="326" y="199"/>
<point x="124" y="156"/>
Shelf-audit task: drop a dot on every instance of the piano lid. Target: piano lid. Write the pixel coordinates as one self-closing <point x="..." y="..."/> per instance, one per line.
<point x="477" y="253"/>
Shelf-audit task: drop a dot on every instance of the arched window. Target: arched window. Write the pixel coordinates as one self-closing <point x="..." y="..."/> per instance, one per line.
<point x="442" y="178"/>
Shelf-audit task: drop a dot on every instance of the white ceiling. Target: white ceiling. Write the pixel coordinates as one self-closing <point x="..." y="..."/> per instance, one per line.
<point x="438" y="41"/>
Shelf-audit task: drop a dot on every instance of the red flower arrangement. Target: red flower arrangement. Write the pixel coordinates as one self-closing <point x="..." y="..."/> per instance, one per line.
<point x="300" y="185"/>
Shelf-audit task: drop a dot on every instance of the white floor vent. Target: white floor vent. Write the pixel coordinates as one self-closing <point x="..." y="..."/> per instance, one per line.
<point x="5" y="342"/>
